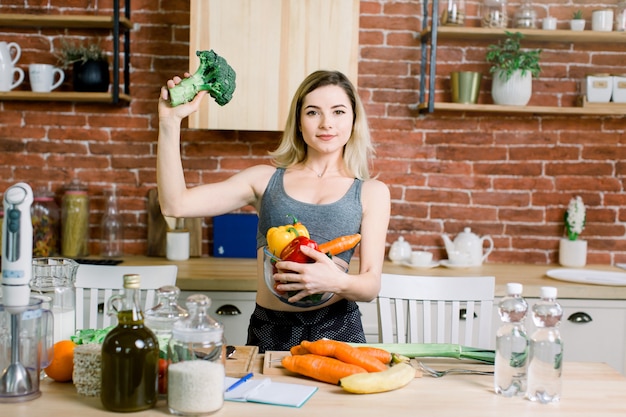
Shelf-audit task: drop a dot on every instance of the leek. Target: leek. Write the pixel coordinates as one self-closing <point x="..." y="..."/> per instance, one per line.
<point x="435" y="350"/>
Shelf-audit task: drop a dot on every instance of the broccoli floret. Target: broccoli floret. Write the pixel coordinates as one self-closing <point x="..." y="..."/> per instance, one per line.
<point x="214" y="75"/>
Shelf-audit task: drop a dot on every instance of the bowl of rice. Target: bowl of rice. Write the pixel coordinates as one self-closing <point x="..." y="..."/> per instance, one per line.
<point x="269" y="269"/>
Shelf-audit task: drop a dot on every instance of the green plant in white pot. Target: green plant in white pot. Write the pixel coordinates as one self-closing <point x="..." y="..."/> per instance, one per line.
<point x="573" y="251"/>
<point x="513" y="69"/>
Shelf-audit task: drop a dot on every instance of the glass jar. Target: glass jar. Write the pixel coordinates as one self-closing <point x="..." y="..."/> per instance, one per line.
<point x="526" y="16"/>
<point x="75" y="220"/>
<point x="620" y="16"/>
<point x="160" y="319"/>
<point x="46" y="217"/>
<point x="111" y="227"/>
<point x="196" y="372"/>
<point x="452" y="12"/>
<point x="494" y="14"/>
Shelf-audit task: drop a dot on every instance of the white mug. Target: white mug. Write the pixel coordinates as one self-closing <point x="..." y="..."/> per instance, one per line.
<point x="602" y="20"/>
<point x="421" y="258"/>
<point x="6" y="57"/>
<point x="548" y="23"/>
<point x="7" y="77"/>
<point x="42" y="77"/>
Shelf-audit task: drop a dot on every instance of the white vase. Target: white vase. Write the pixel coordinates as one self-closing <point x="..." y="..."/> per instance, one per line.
<point x="515" y="91"/>
<point x="573" y="253"/>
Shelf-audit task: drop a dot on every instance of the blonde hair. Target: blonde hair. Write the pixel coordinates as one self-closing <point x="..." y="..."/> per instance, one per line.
<point x="357" y="151"/>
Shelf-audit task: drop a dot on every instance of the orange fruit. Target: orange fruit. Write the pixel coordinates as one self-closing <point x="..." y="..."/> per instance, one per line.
<point x="62" y="365"/>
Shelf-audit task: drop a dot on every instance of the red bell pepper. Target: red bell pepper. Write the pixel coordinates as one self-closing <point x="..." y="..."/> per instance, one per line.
<point x="293" y="253"/>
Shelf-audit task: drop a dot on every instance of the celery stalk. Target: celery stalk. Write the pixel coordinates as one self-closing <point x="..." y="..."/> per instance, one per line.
<point x="435" y="350"/>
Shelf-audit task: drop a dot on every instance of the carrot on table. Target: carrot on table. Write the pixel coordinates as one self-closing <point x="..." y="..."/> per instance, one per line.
<point x="298" y="350"/>
<point x="340" y="244"/>
<point x="321" y="368"/>
<point x="380" y="354"/>
<point x="345" y="353"/>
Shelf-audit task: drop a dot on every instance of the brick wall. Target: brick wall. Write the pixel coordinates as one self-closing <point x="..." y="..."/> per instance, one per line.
<point x="506" y="175"/>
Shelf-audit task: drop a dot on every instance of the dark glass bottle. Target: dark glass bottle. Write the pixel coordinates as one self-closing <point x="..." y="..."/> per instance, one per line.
<point x="130" y="355"/>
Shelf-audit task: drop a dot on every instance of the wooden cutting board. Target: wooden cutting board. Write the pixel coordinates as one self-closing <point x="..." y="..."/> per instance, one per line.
<point x="242" y="361"/>
<point x="157" y="229"/>
<point x="272" y="366"/>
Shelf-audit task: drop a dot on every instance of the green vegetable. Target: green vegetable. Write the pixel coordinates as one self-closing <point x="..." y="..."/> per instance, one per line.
<point x="435" y="350"/>
<point x="85" y="336"/>
<point x="214" y="75"/>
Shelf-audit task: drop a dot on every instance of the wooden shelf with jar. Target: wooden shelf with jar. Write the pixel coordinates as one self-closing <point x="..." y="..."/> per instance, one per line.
<point x="429" y="37"/>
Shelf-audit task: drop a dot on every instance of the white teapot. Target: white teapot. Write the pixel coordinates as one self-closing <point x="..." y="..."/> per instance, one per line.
<point x="467" y="248"/>
<point x="400" y="251"/>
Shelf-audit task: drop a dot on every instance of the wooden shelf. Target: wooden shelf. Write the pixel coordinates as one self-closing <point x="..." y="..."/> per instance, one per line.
<point x="62" y="21"/>
<point x="63" y="96"/>
<point x="595" y="109"/>
<point x="561" y="36"/>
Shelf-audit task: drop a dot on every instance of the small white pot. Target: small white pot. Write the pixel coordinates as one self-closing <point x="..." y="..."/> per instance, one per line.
<point x="515" y="91"/>
<point x="577" y="24"/>
<point x="573" y="253"/>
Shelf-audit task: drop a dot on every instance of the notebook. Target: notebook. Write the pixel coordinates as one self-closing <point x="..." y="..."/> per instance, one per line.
<point x="266" y="391"/>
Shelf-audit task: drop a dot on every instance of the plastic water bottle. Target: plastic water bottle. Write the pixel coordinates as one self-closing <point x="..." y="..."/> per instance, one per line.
<point x="546" y="350"/>
<point x="511" y="344"/>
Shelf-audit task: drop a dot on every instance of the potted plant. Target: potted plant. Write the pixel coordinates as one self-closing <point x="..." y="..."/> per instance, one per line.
<point x="573" y="251"/>
<point x="89" y="63"/>
<point x="512" y="69"/>
<point x="577" y="22"/>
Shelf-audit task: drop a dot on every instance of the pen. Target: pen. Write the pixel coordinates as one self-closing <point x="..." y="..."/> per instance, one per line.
<point x="240" y="381"/>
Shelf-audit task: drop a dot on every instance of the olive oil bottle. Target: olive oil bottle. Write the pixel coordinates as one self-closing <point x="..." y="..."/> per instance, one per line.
<point x="130" y="355"/>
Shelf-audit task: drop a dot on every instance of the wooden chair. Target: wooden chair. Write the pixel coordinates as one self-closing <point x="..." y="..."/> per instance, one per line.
<point x="97" y="283"/>
<point x="428" y="309"/>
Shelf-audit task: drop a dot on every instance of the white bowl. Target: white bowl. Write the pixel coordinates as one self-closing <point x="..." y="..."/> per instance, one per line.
<point x="269" y="269"/>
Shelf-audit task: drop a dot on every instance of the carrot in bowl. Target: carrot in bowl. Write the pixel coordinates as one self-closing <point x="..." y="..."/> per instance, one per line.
<point x="340" y="244"/>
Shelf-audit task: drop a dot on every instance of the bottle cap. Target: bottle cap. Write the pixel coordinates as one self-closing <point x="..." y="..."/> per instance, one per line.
<point x="514" y="288"/>
<point x="132" y="281"/>
<point x="548" y="292"/>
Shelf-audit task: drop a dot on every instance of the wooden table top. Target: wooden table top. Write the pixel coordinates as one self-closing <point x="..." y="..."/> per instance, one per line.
<point x="589" y="389"/>
<point x="231" y="274"/>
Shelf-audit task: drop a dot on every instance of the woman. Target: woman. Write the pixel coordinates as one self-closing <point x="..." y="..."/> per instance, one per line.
<point x="320" y="175"/>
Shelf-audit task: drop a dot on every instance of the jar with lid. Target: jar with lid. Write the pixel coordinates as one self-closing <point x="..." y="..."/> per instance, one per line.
<point x="160" y="319"/>
<point x="452" y="12"/>
<point x="526" y="16"/>
<point x="494" y="14"/>
<point x="75" y="220"/>
<point x="46" y="217"/>
<point x="620" y="16"/>
<point x="196" y="371"/>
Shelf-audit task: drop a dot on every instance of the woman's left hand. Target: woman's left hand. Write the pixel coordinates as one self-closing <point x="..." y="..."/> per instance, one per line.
<point x="308" y="278"/>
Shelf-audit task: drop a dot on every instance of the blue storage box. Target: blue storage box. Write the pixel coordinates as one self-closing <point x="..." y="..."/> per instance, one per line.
<point x="234" y="235"/>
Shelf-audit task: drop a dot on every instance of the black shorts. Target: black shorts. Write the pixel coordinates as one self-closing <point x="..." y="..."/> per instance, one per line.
<point x="280" y="330"/>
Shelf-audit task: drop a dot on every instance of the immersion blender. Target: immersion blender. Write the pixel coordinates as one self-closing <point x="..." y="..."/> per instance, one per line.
<point x="17" y="259"/>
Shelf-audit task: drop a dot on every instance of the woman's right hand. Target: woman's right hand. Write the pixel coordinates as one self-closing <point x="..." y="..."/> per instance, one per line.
<point x="181" y="111"/>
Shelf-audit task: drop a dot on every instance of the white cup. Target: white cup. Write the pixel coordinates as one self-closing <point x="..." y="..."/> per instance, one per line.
<point x="9" y="53"/>
<point x="177" y="245"/>
<point x="42" y="77"/>
<point x="421" y="258"/>
<point x="548" y="23"/>
<point x="602" y="20"/>
<point x="7" y="77"/>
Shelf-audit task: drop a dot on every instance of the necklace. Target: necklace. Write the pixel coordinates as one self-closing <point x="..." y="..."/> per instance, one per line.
<point x="319" y="174"/>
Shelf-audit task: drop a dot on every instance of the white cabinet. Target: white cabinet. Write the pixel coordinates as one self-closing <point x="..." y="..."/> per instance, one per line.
<point x="592" y="330"/>
<point x="232" y="308"/>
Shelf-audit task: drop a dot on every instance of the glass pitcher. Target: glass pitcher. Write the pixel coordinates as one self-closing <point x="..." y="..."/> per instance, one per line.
<point x="53" y="281"/>
<point x="26" y="347"/>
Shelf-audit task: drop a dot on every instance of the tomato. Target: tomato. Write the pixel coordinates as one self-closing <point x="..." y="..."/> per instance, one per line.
<point x="163" y="376"/>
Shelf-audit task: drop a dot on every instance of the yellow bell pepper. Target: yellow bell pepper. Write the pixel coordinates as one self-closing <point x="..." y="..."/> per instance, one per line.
<point x="279" y="237"/>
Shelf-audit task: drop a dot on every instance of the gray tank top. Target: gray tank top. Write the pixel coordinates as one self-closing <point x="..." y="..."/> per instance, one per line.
<point x="323" y="221"/>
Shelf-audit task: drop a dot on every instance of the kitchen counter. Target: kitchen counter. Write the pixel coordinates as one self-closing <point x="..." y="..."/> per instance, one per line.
<point x="589" y="389"/>
<point x="234" y="274"/>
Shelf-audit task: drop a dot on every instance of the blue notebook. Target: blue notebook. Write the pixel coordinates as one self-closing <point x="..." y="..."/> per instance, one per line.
<point x="266" y="391"/>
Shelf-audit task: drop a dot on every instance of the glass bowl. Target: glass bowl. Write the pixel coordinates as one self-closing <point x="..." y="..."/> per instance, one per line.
<point x="269" y="269"/>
